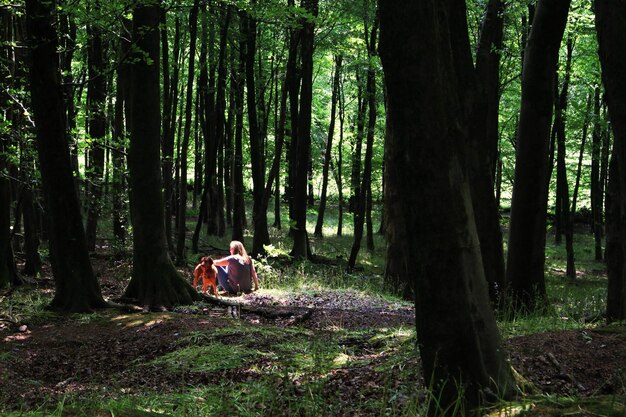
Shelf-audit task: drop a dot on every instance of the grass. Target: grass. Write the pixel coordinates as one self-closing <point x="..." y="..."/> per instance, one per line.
<point x="292" y="371"/>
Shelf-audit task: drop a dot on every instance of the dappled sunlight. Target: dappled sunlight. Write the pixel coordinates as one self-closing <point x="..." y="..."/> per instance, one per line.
<point x="136" y="320"/>
<point x="18" y="337"/>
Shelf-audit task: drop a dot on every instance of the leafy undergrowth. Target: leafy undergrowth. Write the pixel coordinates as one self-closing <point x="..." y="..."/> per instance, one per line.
<point x="354" y="355"/>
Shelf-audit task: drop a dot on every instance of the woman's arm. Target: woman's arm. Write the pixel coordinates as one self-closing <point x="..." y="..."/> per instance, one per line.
<point x="222" y="262"/>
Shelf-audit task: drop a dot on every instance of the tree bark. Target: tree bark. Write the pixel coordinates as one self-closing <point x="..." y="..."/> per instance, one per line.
<point x="301" y="248"/>
<point x="526" y="259"/>
<point x="261" y="235"/>
<point x="596" y="185"/>
<point x="155" y="281"/>
<point x="457" y="333"/>
<point x="181" y="231"/>
<point x="364" y="190"/>
<point x="562" y="185"/>
<point x="611" y="30"/>
<point x="170" y="105"/>
<point x="329" y="146"/>
<point x="120" y="123"/>
<point x="483" y="147"/>
<point x="76" y="287"/>
<point x="96" y="98"/>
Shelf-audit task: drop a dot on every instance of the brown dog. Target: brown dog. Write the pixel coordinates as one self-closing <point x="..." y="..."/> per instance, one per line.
<point x="208" y="272"/>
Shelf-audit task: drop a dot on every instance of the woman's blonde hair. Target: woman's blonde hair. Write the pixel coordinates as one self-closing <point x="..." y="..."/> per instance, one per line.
<point x="237" y="248"/>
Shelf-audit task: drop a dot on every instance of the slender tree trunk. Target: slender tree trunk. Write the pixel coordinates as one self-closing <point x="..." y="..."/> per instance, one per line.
<point x="562" y="184"/>
<point x="155" y="281"/>
<point x="525" y="261"/>
<point x="76" y="287"/>
<point x="329" y="146"/>
<point x="370" y="99"/>
<point x="581" y="155"/>
<point x="274" y="174"/>
<point x="220" y="122"/>
<point x="259" y="215"/>
<point x="596" y="185"/>
<point x="611" y="30"/>
<point x="119" y="133"/>
<point x="339" y="177"/>
<point x="228" y="144"/>
<point x="462" y="359"/>
<point x="96" y="97"/>
<point x="239" y="208"/>
<point x="182" y="188"/>
<point x="355" y="175"/>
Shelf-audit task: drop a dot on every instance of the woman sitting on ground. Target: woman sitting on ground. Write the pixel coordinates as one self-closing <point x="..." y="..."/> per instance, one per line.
<point x="236" y="273"/>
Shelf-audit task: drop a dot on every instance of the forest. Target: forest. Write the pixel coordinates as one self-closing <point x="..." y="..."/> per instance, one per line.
<point x="420" y="205"/>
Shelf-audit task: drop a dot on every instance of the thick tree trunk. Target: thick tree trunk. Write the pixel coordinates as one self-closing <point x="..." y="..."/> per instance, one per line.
<point x="483" y="147"/>
<point x="32" y="266"/>
<point x="292" y="145"/>
<point x="5" y="215"/>
<point x="458" y="337"/>
<point x="526" y="259"/>
<point x="301" y="248"/>
<point x="611" y="29"/>
<point x="329" y="146"/>
<point x="76" y="287"/>
<point x="155" y="281"/>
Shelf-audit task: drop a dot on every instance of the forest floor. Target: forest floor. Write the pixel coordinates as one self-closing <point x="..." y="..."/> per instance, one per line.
<point x="351" y="353"/>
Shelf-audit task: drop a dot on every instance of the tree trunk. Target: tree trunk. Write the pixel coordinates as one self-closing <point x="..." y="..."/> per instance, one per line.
<point x="301" y="248"/>
<point x="458" y="338"/>
<point x="96" y="97"/>
<point x="596" y="185"/>
<point x="525" y="261"/>
<point x="611" y="30"/>
<point x="5" y="213"/>
<point x="355" y="173"/>
<point x="329" y="146"/>
<point x="119" y="133"/>
<point x="562" y="185"/>
<point x="154" y="281"/>
<point x="170" y="105"/>
<point x="339" y="176"/>
<point x="363" y="194"/>
<point x="76" y="287"/>
<point x="181" y="231"/>
<point x="259" y="215"/>
<point x="239" y="208"/>
<point x="220" y="123"/>
<point x="483" y="147"/>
